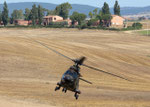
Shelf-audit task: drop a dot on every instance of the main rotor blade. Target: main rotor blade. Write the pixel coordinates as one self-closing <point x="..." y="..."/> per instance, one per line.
<point x="85" y="80"/>
<point x="51" y="49"/>
<point x="104" y="72"/>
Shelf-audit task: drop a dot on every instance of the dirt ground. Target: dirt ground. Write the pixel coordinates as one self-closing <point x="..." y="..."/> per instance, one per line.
<point x="29" y="72"/>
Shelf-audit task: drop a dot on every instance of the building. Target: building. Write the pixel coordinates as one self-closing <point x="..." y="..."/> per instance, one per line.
<point x="52" y="18"/>
<point x="69" y="21"/>
<point x="1" y="23"/>
<point x="22" y="22"/>
<point x="117" y="20"/>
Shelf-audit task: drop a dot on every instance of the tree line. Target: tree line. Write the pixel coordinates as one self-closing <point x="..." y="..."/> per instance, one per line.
<point x="36" y="14"/>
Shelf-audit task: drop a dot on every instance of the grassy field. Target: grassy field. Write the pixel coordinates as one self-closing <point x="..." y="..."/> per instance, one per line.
<point x="144" y="32"/>
<point x="29" y="72"/>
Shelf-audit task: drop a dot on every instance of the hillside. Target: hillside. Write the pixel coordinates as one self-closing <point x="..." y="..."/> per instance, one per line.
<point x="76" y="7"/>
<point x="29" y="72"/>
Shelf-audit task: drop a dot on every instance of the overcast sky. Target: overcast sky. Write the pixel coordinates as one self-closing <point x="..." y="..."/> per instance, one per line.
<point x="98" y="3"/>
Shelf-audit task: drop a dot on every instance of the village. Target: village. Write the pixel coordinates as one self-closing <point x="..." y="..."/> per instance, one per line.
<point x="58" y="17"/>
<point x="116" y="21"/>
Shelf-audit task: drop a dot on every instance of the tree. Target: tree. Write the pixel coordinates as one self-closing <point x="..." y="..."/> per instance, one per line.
<point x="27" y="14"/>
<point x="116" y="8"/>
<point x="40" y="14"/>
<point x="105" y="9"/>
<point x="99" y="17"/>
<point x="92" y="22"/>
<point x="0" y="17"/>
<point x="79" y="17"/>
<point x="50" y="12"/>
<point x="95" y="12"/>
<point x="5" y="17"/>
<point x="17" y="14"/>
<point x="63" y="10"/>
<point x="105" y="15"/>
<point x="90" y="14"/>
<point x="34" y="14"/>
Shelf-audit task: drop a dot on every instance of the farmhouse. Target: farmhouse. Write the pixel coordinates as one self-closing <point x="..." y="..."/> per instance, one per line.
<point x="22" y="22"/>
<point x="117" y="20"/>
<point x="52" y="18"/>
<point x="55" y="18"/>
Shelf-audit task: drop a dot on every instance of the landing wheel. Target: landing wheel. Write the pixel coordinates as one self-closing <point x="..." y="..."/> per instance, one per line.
<point x="64" y="90"/>
<point x="57" y="88"/>
<point x="58" y="84"/>
<point x="76" y="96"/>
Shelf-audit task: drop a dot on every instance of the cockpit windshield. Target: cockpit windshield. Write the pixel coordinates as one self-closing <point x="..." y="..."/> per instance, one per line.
<point x="71" y="73"/>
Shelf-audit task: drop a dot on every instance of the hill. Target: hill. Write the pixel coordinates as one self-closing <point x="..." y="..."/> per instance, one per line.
<point x="22" y="5"/>
<point x="75" y="7"/>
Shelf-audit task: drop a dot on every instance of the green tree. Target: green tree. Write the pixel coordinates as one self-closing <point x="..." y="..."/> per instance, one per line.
<point x="40" y="14"/>
<point x="5" y="17"/>
<point x="105" y="15"/>
<point x="90" y="14"/>
<point x="0" y="16"/>
<point x="50" y="12"/>
<point x="63" y="10"/>
<point x="92" y="22"/>
<point x="27" y="14"/>
<point x="116" y="8"/>
<point x="105" y="9"/>
<point x="95" y="12"/>
<point x="34" y="14"/>
<point x="79" y="17"/>
<point x="17" y="14"/>
<point x="99" y="17"/>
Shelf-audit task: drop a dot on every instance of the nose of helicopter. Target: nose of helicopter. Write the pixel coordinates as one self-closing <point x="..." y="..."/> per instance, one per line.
<point x="68" y="79"/>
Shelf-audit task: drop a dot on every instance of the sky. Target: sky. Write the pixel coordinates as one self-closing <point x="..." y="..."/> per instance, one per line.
<point x="97" y="3"/>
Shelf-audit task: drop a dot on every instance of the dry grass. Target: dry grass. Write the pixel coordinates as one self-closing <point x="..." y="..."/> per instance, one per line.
<point x="29" y="72"/>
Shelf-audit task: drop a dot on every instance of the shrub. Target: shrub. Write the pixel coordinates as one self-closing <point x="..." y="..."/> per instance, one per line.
<point x="82" y="26"/>
<point x="137" y="25"/>
<point x="92" y="22"/>
<point x="58" y="24"/>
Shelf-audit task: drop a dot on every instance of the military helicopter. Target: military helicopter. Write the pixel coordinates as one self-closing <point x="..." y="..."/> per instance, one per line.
<point x="70" y="79"/>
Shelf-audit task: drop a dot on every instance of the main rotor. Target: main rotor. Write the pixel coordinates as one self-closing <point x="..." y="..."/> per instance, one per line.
<point x="78" y="62"/>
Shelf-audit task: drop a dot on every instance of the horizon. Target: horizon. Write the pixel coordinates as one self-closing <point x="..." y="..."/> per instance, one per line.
<point x="81" y="3"/>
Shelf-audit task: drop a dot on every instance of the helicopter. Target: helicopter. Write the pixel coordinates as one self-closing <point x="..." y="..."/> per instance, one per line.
<point x="70" y="79"/>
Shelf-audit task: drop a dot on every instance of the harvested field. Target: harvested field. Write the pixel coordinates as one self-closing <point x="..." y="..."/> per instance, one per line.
<point x="29" y="72"/>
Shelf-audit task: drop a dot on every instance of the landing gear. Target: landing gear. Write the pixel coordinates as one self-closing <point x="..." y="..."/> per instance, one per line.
<point x="57" y="87"/>
<point x="76" y="96"/>
<point x="77" y="92"/>
<point x="64" y="90"/>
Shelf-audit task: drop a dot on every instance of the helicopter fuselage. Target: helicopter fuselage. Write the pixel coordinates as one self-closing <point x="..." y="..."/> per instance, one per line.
<point x="70" y="80"/>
